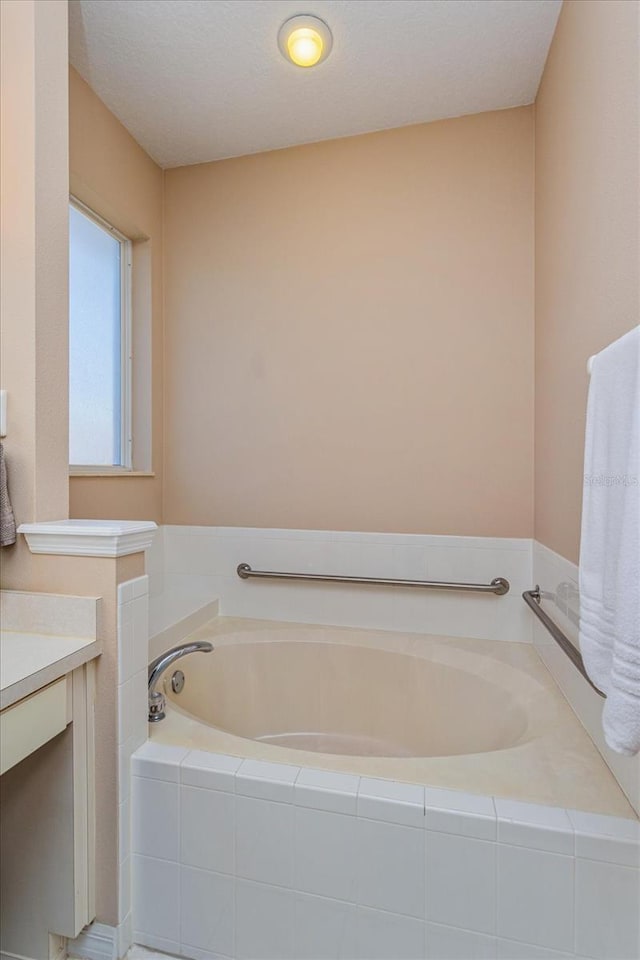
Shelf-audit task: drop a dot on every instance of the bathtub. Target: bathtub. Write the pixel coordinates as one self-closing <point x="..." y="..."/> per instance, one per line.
<point x="330" y="793"/>
<point x="479" y="716"/>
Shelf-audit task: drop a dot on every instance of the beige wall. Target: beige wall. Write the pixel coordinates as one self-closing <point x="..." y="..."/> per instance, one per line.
<point x="33" y="264"/>
<point x="116" y="178"/>
<point x="349" y="333"/>
<point x="587" y="256"/>
<point x="34" y="186"/>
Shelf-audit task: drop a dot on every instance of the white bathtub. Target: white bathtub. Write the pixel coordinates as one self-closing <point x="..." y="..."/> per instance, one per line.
<point x="480" y="716"/>
<point x="247" y="847"/>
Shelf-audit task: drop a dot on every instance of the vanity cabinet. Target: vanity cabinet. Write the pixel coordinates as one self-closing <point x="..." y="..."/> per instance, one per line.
<point x="47" y="792"/>
<point x="32" y="722"/>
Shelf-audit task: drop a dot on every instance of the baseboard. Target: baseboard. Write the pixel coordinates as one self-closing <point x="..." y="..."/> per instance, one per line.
<point x="98" y="941"/>
<point x="13" y="956"/>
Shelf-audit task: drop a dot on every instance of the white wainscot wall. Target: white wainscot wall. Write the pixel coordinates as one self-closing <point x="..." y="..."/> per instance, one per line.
<point x="247" y="859"/>
<point x="558" y="581"/>
<point x="100" y="941"/>
<point x="191" y="565"/>
<point x="133" y="657"/>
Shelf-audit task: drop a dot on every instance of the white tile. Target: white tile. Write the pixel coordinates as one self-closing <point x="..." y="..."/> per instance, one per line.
<point x="258" y="534"/>
<point x="264" y="841"/>
<point x="140" y="611"/>
<point x="382" y="936"/>
<point x="140" y="651"/>
<point x="326" y="790"/>
<point x="460" y="882"/>
<point x="196" y="586"/>
<point x="141" y="953"/>
<point x="207" y="822"/>
<point x="511" y="621"/>
<point x="213" y="771"/>
<point x="206" y="554"/>
<point x="362" y="559"/>
<point x="324" y="929"/>
<point x="156" y="899"/>
<point x="124" y="889"/>
<point x="390" y="801"/>
<point x="612" y="839"/>
<point x="139" y="707"/>
<point x="125" y="710"/>
<point x="326" y="854"/>
<point x="195" y="953"/>
<point x="511" y="950"/>
<point x="124" y="935"/>
<point x="170" y="947"/>
<point x="409" y="562"/>
<point x="180" y="553"/>
<point x="268" y="781"/>
<point x="607" y="910"/>
<point x="468" y="564"/>
<point x="449" y="943"/>
<point x="265" y="921"/>
<point x="140" y="586"/>
<point x="124" y="830"/>
<point x="297" y="554"/>
<point x="534" y="825"/>
<point x="125" y="752"/>
<point x="156" y="588"/>
<point x="391" y="867"/>
<point x="433" y="612"/>
<point x="535" y="897"/>
<point x="125" y="632"/>
<point x="125" y="592"/>
<point x="464" y="814"/>
<point x="158" y="761"/>
<point x="155" y="821"/>
<point x="356" y="606"/>
<point x="207" y="913"/>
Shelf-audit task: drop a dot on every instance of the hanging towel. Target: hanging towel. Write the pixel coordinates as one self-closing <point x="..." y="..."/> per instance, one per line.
<point x="610" y="543"/>
<point x="7" y="520"/>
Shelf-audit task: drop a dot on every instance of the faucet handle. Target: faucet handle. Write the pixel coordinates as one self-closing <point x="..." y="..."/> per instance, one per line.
<point x="156" y="706"/>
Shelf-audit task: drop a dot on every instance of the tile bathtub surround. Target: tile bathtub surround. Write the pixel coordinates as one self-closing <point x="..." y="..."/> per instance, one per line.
<point x="194" y="566"/>
<point x="558" y="580"/>
<point x="133" y="645"/>
<point x="199" y="563"/>
<point x="248" y="859"/>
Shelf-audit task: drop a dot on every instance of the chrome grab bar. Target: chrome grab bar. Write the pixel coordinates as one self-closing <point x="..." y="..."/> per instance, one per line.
<point x="533" y="599"/>
<point x="498" y="585"/>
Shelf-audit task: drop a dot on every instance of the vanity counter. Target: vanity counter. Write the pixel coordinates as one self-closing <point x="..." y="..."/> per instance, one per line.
<point x="30" y="661"/>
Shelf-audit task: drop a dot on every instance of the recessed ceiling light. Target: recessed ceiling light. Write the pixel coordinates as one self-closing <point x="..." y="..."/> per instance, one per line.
<point x="305" y="40"/>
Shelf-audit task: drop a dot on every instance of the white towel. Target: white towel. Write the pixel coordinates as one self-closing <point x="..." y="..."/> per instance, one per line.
<point x="610" y="543"/>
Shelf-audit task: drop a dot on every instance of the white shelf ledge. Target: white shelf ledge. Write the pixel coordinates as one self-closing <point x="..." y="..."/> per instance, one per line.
<point x="89" y="538"/>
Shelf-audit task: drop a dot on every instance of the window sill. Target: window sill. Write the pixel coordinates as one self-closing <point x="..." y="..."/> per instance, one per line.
<point x="114" y="472"/>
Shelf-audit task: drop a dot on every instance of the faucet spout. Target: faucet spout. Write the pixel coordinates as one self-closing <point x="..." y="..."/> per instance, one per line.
<point x="160" y="664"/>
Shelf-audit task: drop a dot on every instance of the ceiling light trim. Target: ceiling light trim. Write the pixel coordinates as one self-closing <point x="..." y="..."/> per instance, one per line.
<point x="305" y="21"/>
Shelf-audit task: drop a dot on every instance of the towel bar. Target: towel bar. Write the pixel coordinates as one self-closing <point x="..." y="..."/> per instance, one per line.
<point x="498" y="585"/>
<point x="532" y="598"/>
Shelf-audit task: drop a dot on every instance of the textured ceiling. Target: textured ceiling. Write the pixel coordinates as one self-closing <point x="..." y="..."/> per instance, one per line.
<point x="198" y="80"/>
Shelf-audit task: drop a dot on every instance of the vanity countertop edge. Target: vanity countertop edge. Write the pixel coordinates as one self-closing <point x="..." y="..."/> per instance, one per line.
<point x="30" y="661"/>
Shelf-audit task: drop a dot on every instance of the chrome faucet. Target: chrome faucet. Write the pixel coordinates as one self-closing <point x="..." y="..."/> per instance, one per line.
<point x="160" y="664"/>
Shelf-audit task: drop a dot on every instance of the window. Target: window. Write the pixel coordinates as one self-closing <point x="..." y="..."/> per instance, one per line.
<point x="99" y="343"/>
